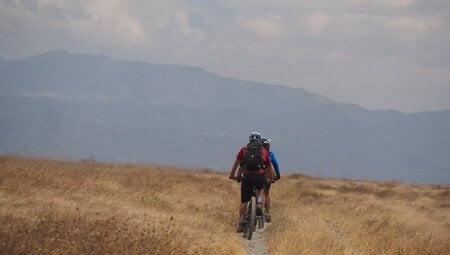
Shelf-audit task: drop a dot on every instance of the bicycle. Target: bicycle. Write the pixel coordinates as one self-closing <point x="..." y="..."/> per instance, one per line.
<point x="251" y="219"/>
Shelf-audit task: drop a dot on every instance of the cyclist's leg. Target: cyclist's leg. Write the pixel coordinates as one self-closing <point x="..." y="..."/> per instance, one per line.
<point x="268" y="217"/>
<point x="245" y="197"/>
<point x="246" y="194"/>
<point x="260" y="186"/>
<point x="241" y="222"/>
<point x="259" y="202"/>
<point x="267" y="198"/>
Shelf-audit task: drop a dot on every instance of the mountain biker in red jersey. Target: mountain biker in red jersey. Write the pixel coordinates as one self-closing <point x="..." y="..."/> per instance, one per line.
<point x="250" y="177"/>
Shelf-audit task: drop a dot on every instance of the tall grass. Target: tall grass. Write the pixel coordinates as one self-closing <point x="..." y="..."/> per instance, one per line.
<point x="56" y="207"/>
<point x="325" y="216"/>
<point x="59" y="207"/>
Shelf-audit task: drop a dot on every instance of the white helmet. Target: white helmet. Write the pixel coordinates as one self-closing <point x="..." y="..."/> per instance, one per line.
<point x="255" y="136"/>
<point x="266" y="140"/>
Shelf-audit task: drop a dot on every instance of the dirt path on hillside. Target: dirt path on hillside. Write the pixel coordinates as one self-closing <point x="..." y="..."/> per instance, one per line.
<point x="257" y="245"/>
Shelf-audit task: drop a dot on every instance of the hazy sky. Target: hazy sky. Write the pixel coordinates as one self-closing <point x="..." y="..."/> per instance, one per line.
<point x="378" y="54"/>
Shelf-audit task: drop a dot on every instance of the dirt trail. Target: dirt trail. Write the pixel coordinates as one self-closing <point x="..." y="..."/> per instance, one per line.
<point x="257" y="246"/>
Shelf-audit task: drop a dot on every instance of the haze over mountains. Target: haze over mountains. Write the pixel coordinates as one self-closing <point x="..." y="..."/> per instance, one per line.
<point x="82" y="106"/>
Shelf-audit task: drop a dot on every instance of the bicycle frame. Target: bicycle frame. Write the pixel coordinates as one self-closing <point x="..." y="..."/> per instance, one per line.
<point x="250" y="215"/>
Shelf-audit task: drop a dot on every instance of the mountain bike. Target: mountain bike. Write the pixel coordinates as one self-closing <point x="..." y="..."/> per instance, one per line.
<point x="250" y="216"/>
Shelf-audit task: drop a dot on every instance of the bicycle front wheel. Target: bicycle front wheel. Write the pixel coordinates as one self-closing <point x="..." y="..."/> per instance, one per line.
<point x="251" y="221"/>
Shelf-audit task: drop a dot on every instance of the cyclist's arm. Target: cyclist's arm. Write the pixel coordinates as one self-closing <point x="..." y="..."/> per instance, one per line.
<point x="233" y="169"/>
<point x="236" y="163"/>
<point x="271" y="172"/>
<point x="275" y="163"/>
<point x="239" y="172"/>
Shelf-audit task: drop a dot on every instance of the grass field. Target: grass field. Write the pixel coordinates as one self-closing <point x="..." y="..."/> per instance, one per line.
<point x="320" y="216"/>
<point x="65" y="207"/>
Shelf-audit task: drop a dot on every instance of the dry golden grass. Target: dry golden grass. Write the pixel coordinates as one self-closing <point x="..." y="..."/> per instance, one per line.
<point x="60" y="207"/>
<point x="325" y="216"/>
<point x="56" y="207"/>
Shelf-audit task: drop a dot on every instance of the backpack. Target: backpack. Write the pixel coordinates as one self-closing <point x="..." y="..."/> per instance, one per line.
<point x="252" y="159"/>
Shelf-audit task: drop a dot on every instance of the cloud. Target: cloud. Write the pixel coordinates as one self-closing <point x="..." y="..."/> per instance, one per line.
<point x="113" y="15"/>
<point x="269" y="26"/>
<point x="409" y="27"/>
<point x="384" y="3"/>
<point x="193" y="34"/>
<point x="317" y="22"/>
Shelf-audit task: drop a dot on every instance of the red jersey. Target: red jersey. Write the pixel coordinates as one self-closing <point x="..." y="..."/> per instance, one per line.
<point x="264" y="155"/>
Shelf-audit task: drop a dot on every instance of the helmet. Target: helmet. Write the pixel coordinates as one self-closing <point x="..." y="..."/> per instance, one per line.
<point x="254" y="136"/>
<point x="266" y="140"/>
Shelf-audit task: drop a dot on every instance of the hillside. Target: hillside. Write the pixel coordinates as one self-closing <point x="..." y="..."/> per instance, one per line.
<point x="94" y="107"/>
<point x="68" y="207"/>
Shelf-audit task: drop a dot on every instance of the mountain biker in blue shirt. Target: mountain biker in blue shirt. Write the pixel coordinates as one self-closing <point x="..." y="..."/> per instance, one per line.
<point x="266" y="144"/>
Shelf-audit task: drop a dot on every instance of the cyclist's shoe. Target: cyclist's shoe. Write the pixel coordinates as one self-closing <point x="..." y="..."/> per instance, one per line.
<point x="259" y="212"/>
<point x="241" y="226"/>
<point x="268" y="218"/>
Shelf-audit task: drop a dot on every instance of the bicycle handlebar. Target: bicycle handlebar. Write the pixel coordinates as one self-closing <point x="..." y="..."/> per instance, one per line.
<point x="239" y="179"/>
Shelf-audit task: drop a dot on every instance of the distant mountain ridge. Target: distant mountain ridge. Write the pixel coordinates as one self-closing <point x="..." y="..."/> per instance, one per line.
<point x="85" y="106"/>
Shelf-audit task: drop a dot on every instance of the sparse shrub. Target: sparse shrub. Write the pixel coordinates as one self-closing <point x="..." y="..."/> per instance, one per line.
<point x="444" y="205"/>
<point x="445" y="194"/>
<point x="384" y="193"/>
<point x="325" y="186"/>
<point x="409" y="195"/>
<point x="310" y="196"/>
<point x="389" y="184"/>
<point x="369" y="222"/>
<point x="299" y="176"/>
<point x="354" y="188"/>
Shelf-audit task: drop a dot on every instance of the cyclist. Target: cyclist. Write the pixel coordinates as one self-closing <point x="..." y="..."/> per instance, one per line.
<point x="266" y="144"/>
<point x="250" y="177"/>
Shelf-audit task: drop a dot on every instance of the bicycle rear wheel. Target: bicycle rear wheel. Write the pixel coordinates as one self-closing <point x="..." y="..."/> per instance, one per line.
<point x="260" y="220"/>
<point x="251" y="209"/>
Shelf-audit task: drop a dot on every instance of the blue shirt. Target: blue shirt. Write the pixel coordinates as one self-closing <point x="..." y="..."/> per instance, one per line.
<point x="274" y="162"/>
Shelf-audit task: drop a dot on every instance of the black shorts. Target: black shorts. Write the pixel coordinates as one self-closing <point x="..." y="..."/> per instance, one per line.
<point x="247" y="185"/>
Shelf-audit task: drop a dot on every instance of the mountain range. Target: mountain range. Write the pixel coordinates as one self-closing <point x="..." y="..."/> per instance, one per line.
<point x="80" y="106"/>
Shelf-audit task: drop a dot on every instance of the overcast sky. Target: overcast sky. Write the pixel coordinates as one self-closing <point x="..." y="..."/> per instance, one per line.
<point x="378" y="54"/>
